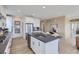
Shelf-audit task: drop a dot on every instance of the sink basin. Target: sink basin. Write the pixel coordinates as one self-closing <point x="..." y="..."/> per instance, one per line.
<point x="42" y="36"/>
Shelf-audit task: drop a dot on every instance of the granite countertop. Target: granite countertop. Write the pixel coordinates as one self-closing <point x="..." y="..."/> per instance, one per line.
<point x="44" y="37"/>
<point x="4" y="43"/>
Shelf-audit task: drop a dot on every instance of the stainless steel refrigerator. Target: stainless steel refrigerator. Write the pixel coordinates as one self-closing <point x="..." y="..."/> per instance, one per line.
<point x="29" y="28"/>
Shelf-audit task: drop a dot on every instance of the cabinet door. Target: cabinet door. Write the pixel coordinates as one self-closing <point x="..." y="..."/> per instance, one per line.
<point x="41" y="47"/>
<point x="37" y="46"/>
<point x="32" y="43"/>
<point x="7" y="50"/>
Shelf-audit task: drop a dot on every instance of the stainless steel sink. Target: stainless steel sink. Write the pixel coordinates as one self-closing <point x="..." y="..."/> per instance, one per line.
<point x="42" y="36"/>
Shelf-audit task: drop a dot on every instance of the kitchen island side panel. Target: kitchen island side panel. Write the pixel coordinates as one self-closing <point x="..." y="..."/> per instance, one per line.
<point x="51" y="47"/>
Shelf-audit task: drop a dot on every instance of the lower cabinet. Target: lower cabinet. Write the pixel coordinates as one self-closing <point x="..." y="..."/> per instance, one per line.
<point x="52" y="47"/>
<point x="7" y="50"/>
<point x="37" y="46"/>
<point x="40" y="47"/>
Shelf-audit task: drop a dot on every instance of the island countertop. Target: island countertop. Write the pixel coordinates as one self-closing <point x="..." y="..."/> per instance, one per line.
<point x="44" y="37"/>
<point x="4" y="43"/>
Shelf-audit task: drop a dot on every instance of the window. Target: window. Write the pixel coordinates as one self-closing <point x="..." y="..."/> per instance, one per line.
<point x="9" y="23"/>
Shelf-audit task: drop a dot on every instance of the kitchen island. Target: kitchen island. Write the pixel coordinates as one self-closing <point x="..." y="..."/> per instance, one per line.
<point x="44" y="44"/>
<point x="6" y="44"/>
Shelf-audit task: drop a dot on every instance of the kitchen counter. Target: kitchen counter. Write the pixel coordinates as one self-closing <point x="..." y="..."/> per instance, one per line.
<point x="3" y="44"/>
<point x="44" y="37"/>
<point x="44" y="43"/>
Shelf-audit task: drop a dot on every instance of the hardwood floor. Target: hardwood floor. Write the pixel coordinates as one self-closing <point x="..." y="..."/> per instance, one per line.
<point x="19" y="46"/>
<point x="67" y="47"/>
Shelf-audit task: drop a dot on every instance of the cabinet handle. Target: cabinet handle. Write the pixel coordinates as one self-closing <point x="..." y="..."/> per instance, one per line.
<point x="38" y="43"/>
<point x="4" y="52"/>
<point x="33" y="43"/>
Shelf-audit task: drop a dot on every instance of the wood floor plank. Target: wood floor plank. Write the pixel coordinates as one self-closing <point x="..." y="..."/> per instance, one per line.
<point x="19" y="46"/>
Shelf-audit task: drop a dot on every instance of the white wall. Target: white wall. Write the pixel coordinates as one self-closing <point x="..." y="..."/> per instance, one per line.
<point x="2" y="10"/>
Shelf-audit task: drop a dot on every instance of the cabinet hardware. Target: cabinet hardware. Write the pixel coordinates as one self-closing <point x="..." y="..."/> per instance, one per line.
<point x="33" y="43"/>
<point x="4" y="52"/>
<point x="38" y="43"/>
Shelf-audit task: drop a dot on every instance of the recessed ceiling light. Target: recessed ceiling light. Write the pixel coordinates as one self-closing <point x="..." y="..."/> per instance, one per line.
<point x="44" y="7"/>
<point x="18" y="10"/>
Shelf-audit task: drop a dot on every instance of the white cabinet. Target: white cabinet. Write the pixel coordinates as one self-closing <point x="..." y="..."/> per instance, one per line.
<point x="52" y="47"/>
<point x="37" y="46"/>
<point x="32" y="43"/>
<point x="3" y="10"/>
<point x="7" y="50"/>
<point x="40" y="47"/>
<point x="0" y="9"/>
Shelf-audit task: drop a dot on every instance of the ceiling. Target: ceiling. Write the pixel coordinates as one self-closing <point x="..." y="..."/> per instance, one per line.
<point x="44" y="12"/>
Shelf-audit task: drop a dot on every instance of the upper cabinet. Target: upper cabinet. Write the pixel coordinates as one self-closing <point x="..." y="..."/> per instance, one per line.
<point x="35" y="21"/>
<point x="2" y="16"/>
<point x="3" y="11"/>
